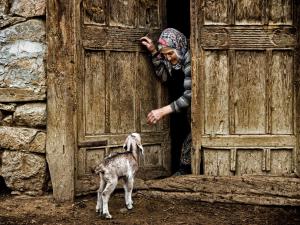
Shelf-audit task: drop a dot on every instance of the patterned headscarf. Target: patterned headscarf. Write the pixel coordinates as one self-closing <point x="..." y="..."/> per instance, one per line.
<point x="176" y="40"/>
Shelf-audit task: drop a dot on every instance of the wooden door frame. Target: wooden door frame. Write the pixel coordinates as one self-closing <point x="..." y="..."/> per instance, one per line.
<point x="196" y="106"/>
<point x="297" y="84"/>
<point x="61" y="96"/>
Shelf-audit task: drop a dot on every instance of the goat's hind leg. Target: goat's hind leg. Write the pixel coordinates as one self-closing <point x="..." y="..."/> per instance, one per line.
<point x="108" y="190"/>
<point x="128" y="187"/>
<point x="99" y="206"/>
<point x="125" y="186"/>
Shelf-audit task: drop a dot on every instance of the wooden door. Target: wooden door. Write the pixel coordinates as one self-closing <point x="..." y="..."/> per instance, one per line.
<point x="117" y="87"/>
<point x="245" y="87"/>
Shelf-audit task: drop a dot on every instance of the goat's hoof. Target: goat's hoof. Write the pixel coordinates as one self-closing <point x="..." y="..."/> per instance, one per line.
<point x="107" y="216"/>
<point x="99" y="211"/>
<point x="129" y="206"/>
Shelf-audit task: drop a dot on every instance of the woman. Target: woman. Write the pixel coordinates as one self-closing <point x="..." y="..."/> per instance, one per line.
<point x="172" y="56"/>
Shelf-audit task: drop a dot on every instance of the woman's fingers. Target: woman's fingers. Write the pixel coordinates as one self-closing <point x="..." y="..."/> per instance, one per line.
<point x="150" y="118"/>
<point x="145" y="38"/>
<point x="148" y="43"/>
<point x="153" y="117"/>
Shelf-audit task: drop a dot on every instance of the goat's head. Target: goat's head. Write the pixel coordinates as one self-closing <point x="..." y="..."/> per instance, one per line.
<point x="132" y="142"/>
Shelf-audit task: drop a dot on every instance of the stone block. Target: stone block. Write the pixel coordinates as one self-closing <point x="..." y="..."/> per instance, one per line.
<point x="31" y="115"/>
<point x="7" y="121"/>
<point x="4" y="7"/>
<point x="10" y="107"/>
<point x="22" y="139"/>
<point x="24" y="172"/>
<point x="28" y="8"/>
<point x="33" y="30"/>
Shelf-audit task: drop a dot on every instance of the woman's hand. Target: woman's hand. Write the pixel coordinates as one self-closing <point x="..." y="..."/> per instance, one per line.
<point x="149" y="44"/>
<point x="157" y="114"/>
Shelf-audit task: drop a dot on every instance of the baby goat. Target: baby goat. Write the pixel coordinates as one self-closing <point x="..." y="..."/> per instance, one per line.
<point x="122" y="165"/>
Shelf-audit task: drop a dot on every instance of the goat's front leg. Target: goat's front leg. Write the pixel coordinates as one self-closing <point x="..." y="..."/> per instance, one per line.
<point x="99" y="206"/>
<point x="128" y="187"/>
<point x="109" y="188"/>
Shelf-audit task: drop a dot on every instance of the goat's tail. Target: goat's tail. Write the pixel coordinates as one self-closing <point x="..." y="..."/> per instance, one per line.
<point x="98" y="169"/>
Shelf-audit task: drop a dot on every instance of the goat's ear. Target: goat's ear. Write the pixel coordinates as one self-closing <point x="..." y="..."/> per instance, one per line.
<point x="141" y="148"/>
<point x="127" y="144"/>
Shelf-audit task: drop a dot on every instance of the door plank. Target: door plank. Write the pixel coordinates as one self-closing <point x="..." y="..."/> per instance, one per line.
<point x="281" y="85"/>
<point x="288" y="141"/>
<point x="281" y="12"/>
<point x="249" y="37"/>
<point x="122" y="92"/>
<point x="249" y="86"/>
<point x="216" y="99"/>
<point x="249" y="12"/>
<point x="93" y="94"/>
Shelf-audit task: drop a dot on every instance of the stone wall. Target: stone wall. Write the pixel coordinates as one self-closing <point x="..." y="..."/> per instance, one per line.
<point x="23" y="95"/>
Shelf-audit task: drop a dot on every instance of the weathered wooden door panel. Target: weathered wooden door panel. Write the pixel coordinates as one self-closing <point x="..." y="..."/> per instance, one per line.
<point x="244" y="97"/>
<point x="242" y="161"/>
<point x="117" y="87"/>
<point x="217" y="99"/>
<point x="281" y="92"/>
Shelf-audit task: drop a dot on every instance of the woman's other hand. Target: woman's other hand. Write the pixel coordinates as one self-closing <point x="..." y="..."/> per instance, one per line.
<point x="149" y="44"/>
<point x="157" y="114"/>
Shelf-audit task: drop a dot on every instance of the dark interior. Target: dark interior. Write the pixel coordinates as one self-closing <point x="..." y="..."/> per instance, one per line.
<point x="178" y="17"/>
<point x="4" y="190"/>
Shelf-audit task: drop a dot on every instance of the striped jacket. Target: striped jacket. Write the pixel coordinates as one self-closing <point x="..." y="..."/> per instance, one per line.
<point x="163" y="70"/>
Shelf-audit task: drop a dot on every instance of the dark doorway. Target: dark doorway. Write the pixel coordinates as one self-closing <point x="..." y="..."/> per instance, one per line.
<point x="178" y="17"/>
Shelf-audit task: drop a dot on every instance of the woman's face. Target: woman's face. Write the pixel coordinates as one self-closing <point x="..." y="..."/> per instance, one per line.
<point x="170" y="55"/>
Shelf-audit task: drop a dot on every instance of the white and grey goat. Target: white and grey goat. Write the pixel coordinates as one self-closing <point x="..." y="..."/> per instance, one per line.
<point x="117" y="166"/>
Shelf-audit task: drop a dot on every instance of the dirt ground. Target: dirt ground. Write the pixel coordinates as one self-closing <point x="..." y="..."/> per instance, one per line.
<point x="23" y="210"/>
